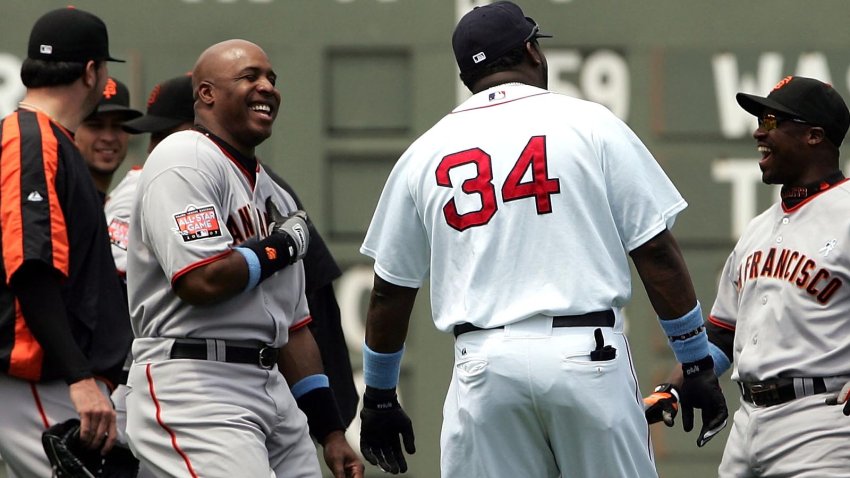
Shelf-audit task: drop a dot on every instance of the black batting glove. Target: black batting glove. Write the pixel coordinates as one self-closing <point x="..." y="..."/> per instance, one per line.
<point x="382" y="420"/>
<point x="662" y="405"/>
<point x="702" y="390"/>
<point x="842" y="397"/>
<point x="293" y="228"/>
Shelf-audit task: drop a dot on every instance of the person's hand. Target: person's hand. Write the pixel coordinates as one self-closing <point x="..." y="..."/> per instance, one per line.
<point x="340" y="457"/>
<point x="293" y="227"/>
<point x="662" y="405"/>
<point x="701" y="389"/>
<point x="841" y="397"/>
<point x="97" y="417"/>
<point x="382" y="420"/>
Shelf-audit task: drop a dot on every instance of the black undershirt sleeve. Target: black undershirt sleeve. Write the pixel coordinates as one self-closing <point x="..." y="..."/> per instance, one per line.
<point x="36" y="286"/>
<point x="722" y="338"/>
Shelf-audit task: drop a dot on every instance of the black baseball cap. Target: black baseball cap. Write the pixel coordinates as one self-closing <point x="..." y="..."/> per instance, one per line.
<point x="69" y="34"/>
<point x="115" y="98"/>
<point x="813" y="101"/>
<point x="487" y="32"/>
<point x="169" y="104"/>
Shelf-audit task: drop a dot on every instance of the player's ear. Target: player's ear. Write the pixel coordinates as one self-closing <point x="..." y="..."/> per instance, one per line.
<point x="532" y="49"/>
<point x="90" y="74"/>
<point x="816" y="135"/>
<point x="206" y="93"/>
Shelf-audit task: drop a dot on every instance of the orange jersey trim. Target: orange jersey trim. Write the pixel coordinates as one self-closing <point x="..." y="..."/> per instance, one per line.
<point x="723" y="325"/>
<point x="301" y="323"/>
<point x="198" y="264"/>
<point x="27" y="356"/>
<point x="11" y="222"/>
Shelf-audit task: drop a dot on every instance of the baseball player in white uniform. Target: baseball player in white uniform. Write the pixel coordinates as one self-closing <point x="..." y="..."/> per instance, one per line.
<point x="522" y="205"/>
<point x="780" y="317"/>
<point x="216" y="291"/>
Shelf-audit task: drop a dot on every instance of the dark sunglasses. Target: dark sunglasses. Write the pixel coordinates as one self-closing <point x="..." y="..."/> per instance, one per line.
<point x="771" y="121"/>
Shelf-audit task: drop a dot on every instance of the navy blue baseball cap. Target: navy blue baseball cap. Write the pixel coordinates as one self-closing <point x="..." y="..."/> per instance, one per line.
<point x="69" y="34"/>
<point x="813" y="101"/>
<point x="487" y="32"/>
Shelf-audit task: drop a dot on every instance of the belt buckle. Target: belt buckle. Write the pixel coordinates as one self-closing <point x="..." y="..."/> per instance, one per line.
<point x="267" y="357"/>
<point x="768" y="390"/>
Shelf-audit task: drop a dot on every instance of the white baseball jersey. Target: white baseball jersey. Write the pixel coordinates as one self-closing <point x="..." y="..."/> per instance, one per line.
<point x="194" y="204"/>
<point x="785" y="289"/>
<point x="119" y="205"/>
<point x="523" y="217"/>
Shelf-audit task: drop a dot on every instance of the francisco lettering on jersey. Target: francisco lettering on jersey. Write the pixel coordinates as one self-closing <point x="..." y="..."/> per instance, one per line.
<point x="794" y="267"/>
<point x="118" y="232"/>
<point x="197" y="223"/>
<point x="243" y="224"/>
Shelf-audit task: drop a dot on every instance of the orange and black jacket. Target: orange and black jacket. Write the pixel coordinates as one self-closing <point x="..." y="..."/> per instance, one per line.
<point x="53" y="228"/>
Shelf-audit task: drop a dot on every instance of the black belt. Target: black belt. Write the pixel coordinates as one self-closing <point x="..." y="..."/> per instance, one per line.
<point x="604" y="318"/>
<point x="781" y="390"/>
<point x="265" y="357"/>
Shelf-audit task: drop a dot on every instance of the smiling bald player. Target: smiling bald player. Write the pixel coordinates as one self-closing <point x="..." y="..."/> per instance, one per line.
<point x="230" y="314"/>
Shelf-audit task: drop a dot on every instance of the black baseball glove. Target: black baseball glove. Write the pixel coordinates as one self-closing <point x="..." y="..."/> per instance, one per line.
<point x="70" y="459"/>
<point x="702" y="390"/>
<point x="382" y="420"/>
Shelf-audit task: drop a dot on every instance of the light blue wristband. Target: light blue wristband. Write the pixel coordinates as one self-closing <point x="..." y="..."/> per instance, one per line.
<point x="253" y="266"/>
<point x="381" y="370"/>
<point x="693" y="347"/>
<point x="309" y="383"/>
<point x="721" y="361"/>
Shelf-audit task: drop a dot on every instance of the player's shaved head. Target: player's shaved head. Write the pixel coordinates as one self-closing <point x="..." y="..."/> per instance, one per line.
<point x="212" y="62"/>
<point x="234" y="86"/>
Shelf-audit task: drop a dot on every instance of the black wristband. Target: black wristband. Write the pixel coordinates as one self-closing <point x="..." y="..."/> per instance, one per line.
<point x="274" y="253"/>
<point x="702" y="365"/>
<point x="322" y="412"/>
<point x="380" y="398"/>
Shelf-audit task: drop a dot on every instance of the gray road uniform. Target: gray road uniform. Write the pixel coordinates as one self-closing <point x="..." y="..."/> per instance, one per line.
<point x="205" y="398"/>
<point x="785" y="291"/>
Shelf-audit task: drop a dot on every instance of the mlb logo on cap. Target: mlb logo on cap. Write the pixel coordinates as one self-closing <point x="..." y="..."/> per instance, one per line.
<point x="479" y="57"/>
<point x="46" y="49"/>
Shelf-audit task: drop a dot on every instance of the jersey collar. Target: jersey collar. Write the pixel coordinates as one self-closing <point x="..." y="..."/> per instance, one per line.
<point x="793" y="196"/>
<point x="248" y="165"/>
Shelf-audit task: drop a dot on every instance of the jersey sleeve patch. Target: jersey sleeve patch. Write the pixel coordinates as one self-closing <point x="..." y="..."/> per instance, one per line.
<point x="197" y="223"/>
<point x="118" y="232"/>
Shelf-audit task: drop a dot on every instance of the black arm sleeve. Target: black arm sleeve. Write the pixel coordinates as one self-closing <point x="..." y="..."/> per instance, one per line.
<point x="36" y="287"/>
<point x="722" y="338"/>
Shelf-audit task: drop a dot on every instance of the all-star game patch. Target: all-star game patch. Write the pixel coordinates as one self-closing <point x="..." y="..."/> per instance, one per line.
<point x="197" y="223"/>
<point x="118" y="229"/>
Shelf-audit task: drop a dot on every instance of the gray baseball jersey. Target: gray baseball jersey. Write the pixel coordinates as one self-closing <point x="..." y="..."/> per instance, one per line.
<point x="784" y="291"/>
<point x="211" y="418"/>
<point x="193" y="205"/>
<point x="118" y="207"/>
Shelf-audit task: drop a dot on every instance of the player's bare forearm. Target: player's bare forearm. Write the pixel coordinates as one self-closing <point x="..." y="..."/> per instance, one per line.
<point x="662" y="269"/>
<point x="300" y="357"/>
<point x="215" y="281"/>
<point x="388" y="316"/>
<point x="341" y="458"/>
